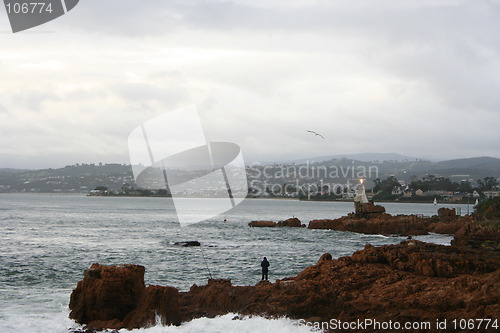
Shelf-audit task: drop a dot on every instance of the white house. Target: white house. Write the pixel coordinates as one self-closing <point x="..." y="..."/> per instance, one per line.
<point x="491" y="194"/>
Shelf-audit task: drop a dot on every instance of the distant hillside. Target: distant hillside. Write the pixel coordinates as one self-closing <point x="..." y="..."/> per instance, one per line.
<point x="475" y="168"/>
<point x="459" y="169"/>
<point x="363" y="157"/>
<point x="9" y="170"/>
<point x="91" y="169"/>
<point x="483" y="163"/>
<point x="82" y="178"/>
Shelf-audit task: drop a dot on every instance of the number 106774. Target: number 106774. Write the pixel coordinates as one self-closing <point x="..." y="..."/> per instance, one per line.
<point x="29" y="7"/>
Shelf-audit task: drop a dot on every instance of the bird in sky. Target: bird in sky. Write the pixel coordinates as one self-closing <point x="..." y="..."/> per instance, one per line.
<point x="315" y="133"/>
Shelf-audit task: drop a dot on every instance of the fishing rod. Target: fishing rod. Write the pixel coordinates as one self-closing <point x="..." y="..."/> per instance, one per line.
<point x="205" y="259"/>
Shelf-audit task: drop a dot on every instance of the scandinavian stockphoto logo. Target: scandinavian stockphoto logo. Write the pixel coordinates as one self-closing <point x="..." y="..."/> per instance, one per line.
<point x="204" y="178"/>
<point x="28" y="14"/>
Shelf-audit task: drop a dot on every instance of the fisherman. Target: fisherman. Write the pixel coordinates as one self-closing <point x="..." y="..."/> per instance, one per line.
<point x="265" y="268"/>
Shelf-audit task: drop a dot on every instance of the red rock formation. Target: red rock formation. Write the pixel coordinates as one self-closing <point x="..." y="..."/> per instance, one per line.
<point x="115" y="297"/>
<point x="107" y="294"/>
<point x="386" y="224"/>
<point x="478" y="235"/>
<point x="482" y="230"/>
<point x="291" y="222"/>
<point x="408" y="282"/>
<point x="427" y="259"/>
<point x="446" y="212"/>
<point x="155" y="301"/>
<point x="367" y="209"/>
<point x="262" y="224"/>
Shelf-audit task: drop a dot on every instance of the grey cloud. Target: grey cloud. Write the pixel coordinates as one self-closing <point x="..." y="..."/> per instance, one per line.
<point x="459" y="81"/>
<point x="123" y="17"/>
<point x="420" y="77"/>
<point x="130" y="17"/>
<point x="34" y="99"/>
<point x="86" y="93"/>
<point x="143" y="92"/>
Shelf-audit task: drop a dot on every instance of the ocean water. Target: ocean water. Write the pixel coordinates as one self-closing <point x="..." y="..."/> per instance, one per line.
<point x="47" y="241"/>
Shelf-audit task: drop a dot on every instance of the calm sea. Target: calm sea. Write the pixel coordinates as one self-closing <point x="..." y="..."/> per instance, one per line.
<point x="46" y="241"/>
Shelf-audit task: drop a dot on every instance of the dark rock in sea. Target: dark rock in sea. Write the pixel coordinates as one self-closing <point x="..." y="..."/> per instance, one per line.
<point x="188" y="243"/>
<point x="89" y="330"/>
<point x="407" y="282"/>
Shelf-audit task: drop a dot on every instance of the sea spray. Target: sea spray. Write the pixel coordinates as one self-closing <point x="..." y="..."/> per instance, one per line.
<point x="230" y="323"/>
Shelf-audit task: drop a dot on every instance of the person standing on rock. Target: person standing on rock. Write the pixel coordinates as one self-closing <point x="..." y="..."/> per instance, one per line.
<point x="265" y="268"/>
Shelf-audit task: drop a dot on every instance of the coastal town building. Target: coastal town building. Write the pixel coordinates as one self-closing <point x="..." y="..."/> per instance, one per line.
<point x="491" y="194"/>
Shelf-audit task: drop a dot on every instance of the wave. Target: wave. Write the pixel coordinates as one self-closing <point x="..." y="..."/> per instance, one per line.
<point x="231" y="323"/>
<point x="60" y="323"/>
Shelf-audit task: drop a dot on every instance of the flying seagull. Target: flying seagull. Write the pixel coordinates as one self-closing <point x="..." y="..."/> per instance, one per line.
<point x="315" y="133"/>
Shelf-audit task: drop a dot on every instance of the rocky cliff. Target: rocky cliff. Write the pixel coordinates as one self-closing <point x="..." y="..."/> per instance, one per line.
<point x="411" y="281"/>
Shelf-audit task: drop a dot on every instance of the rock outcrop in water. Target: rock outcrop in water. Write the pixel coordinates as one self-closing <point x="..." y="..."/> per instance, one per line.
<point x="444" y="212"/>
<point x="367" y="209"/>
<point x="263" y="224"/>
<point x="115" y="297"/>
<point x="409" y="282"/>
<point x="386" y="224"/>
<point x="291" y="222"/>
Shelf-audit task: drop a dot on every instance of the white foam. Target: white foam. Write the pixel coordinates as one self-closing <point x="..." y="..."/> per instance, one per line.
<point x="439" y="239"/>
<point x="227" y="324"/>
<point x="41" y="323"/>
<point x="60" y="323"/>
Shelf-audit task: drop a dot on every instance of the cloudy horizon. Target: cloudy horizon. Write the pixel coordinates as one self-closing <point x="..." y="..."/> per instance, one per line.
<point x="418" y="78"/>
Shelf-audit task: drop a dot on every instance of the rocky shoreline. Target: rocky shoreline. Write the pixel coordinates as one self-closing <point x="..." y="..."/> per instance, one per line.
<point x="411" y="281"/>
<point x="404" y="283"/>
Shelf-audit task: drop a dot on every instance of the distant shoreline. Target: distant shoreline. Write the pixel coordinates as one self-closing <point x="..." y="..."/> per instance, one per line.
<point x="253" y="198"/>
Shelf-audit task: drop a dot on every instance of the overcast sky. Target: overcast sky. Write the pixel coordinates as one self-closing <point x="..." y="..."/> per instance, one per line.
<point x="420" y="78"/>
